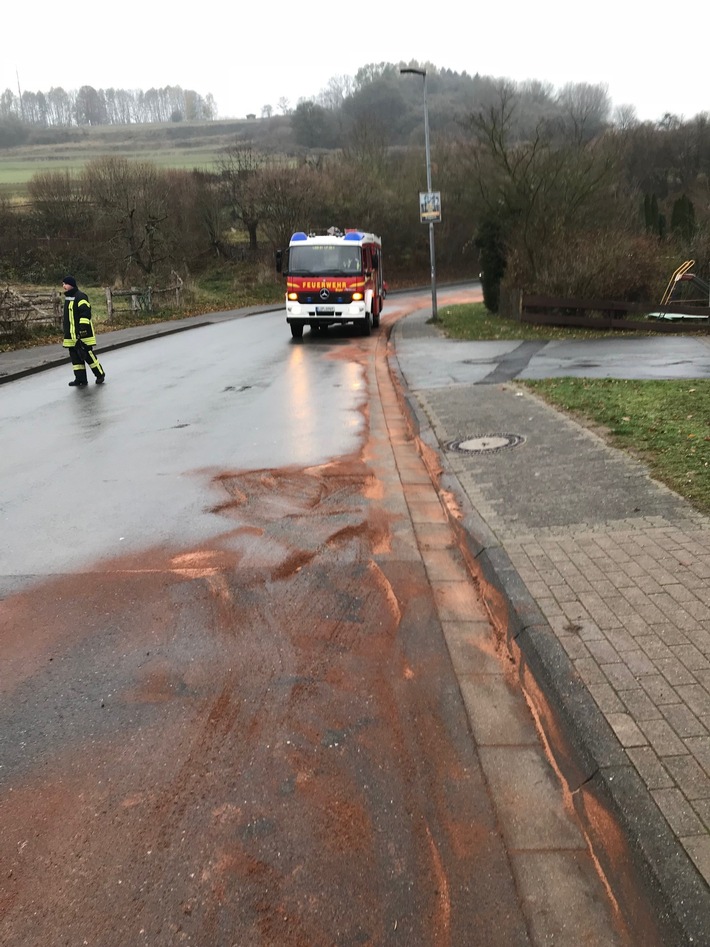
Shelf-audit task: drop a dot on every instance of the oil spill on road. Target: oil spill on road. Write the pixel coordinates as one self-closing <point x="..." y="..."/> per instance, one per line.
<point x="258" y="741"/>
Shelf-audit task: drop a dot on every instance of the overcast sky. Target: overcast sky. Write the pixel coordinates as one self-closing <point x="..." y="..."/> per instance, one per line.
<point x="252" y="54"/>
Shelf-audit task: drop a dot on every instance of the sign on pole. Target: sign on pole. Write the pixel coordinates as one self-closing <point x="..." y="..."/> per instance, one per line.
<point x="430" y="207"/>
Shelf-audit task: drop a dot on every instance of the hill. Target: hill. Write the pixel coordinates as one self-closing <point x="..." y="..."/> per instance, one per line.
<point x="170" y="144"/>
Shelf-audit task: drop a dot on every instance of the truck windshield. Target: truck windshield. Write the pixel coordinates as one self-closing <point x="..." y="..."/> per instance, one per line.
<point x="324" y="260"/>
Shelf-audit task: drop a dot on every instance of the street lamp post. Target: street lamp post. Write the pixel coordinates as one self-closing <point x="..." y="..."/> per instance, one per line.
<point x="432" y="255"/>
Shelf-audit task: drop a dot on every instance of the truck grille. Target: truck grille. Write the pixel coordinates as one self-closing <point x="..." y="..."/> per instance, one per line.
<point x="335" y="299"/>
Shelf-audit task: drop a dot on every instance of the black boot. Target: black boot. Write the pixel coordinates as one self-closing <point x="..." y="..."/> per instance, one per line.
<point x="77" y="383"/>
<point x="100" y="379"/>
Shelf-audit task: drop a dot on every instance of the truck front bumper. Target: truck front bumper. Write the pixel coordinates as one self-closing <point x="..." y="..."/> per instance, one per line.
<point x="325" y="315"/>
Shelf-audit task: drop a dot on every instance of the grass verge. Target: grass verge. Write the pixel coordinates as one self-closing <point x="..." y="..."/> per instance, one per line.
<point x="664" y="423"/>
<point x="473" y="322"/>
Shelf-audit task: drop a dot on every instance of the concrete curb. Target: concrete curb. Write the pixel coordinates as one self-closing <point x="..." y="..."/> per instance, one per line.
<point x="664" y="892"/>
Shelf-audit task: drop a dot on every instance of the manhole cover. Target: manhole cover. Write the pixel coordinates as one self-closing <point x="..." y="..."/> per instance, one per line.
<point x="485" y="443"/>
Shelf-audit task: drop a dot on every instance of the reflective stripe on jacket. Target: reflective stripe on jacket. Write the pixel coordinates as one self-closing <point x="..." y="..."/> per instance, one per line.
<point x="77" y="320"/>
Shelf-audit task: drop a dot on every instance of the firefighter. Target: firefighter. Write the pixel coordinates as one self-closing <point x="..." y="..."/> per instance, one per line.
<point x="79" y="335"/>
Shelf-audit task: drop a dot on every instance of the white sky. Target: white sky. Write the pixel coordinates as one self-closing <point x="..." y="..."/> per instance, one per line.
<point x="252" y="54"/>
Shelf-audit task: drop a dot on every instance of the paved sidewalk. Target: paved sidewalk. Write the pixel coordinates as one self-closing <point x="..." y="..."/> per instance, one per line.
<point x="599" y="578"/>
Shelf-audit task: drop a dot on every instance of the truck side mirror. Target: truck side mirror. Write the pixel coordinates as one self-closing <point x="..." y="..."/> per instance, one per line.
<point x="279" y="260"/>
<point x="375" y="261"/>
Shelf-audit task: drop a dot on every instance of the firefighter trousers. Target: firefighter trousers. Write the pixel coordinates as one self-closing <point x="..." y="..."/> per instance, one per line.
<point x="82" y="355"/>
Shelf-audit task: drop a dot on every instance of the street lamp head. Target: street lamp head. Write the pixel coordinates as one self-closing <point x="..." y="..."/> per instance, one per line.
<point x="414" y="72"/>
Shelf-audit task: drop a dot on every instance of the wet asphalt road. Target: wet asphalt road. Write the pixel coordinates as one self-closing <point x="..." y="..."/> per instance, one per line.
<point x="107" y="470"/>
<point x="228" y="715"/>
<point x="227" y="712"/>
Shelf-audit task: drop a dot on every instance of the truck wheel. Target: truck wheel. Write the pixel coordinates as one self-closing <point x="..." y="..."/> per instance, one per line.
<point x="297" y="330"/>
<point x="377" y="307"/>
<point x="367" y="324"/>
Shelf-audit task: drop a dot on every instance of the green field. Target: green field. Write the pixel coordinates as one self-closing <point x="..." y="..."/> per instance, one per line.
<point x="177" y="145"/>
<point x="15" y="173"/>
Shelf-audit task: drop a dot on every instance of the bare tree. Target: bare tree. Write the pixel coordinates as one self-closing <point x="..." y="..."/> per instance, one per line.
<point x="60" y="106"/>
<point x="539" y="187"/>
<point x="585" y="108"/>
<point x="339" y="88"/>
<point x="60" y="204"/>
<point x="239" y="169"/>
<point x="131" y="202"/>
<point x="8" y="104"/>
<point x="209" y="211"/>
<point x="365" y="142"/>
<point x="287" y="196"/>
<point x="625" y="117"/>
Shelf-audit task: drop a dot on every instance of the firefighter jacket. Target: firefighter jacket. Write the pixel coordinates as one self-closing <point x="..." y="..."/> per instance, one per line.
<point x="77" y="319"/>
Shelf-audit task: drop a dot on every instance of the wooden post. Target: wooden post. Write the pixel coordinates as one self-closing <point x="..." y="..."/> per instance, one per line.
<point x="178" y="288"/>
<point x="134" y="299"/>
<point x="109" y="304"/>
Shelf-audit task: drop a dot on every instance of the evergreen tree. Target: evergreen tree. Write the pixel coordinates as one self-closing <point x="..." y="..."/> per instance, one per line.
<point x="490" y="243"/>
<point x="683" y="218"/>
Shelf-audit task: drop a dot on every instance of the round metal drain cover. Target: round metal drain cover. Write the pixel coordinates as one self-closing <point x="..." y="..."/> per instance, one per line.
<point x="485" y="443"/>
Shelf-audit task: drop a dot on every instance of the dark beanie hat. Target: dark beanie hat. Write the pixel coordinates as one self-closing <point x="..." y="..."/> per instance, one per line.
<point x="69" y="280"/>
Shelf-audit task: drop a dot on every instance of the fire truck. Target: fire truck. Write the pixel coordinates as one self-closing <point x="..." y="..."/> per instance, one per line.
<point x="332" y="278"/>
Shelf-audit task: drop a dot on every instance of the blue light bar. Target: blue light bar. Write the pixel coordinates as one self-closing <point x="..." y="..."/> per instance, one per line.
<point x="299" y="235"/>
<point x="354" y="235"/>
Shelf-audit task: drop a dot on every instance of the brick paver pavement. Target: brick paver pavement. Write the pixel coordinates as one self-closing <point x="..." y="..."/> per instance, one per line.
<point x="631" y="607"/>
<point x="617" y="565"/>
<point x="628" y="598"/>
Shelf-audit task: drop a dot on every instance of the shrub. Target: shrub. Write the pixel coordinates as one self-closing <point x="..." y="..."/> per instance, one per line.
<point x="604" y="264"/>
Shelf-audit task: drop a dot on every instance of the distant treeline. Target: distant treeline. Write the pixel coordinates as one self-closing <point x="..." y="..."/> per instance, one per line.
<point x="90" y="106"/>
<point x="380" y="103"/>
<point x="542" y="190"/>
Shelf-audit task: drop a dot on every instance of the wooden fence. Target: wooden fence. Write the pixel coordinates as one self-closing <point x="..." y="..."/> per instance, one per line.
<point x="25" y="311"/>
<point x="22" y="312"/>
<point x="606" y="313"/>
<point x="141" y="299"/>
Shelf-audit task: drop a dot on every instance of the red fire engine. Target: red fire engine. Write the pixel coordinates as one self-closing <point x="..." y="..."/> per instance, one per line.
<point x="331" y="278"/>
